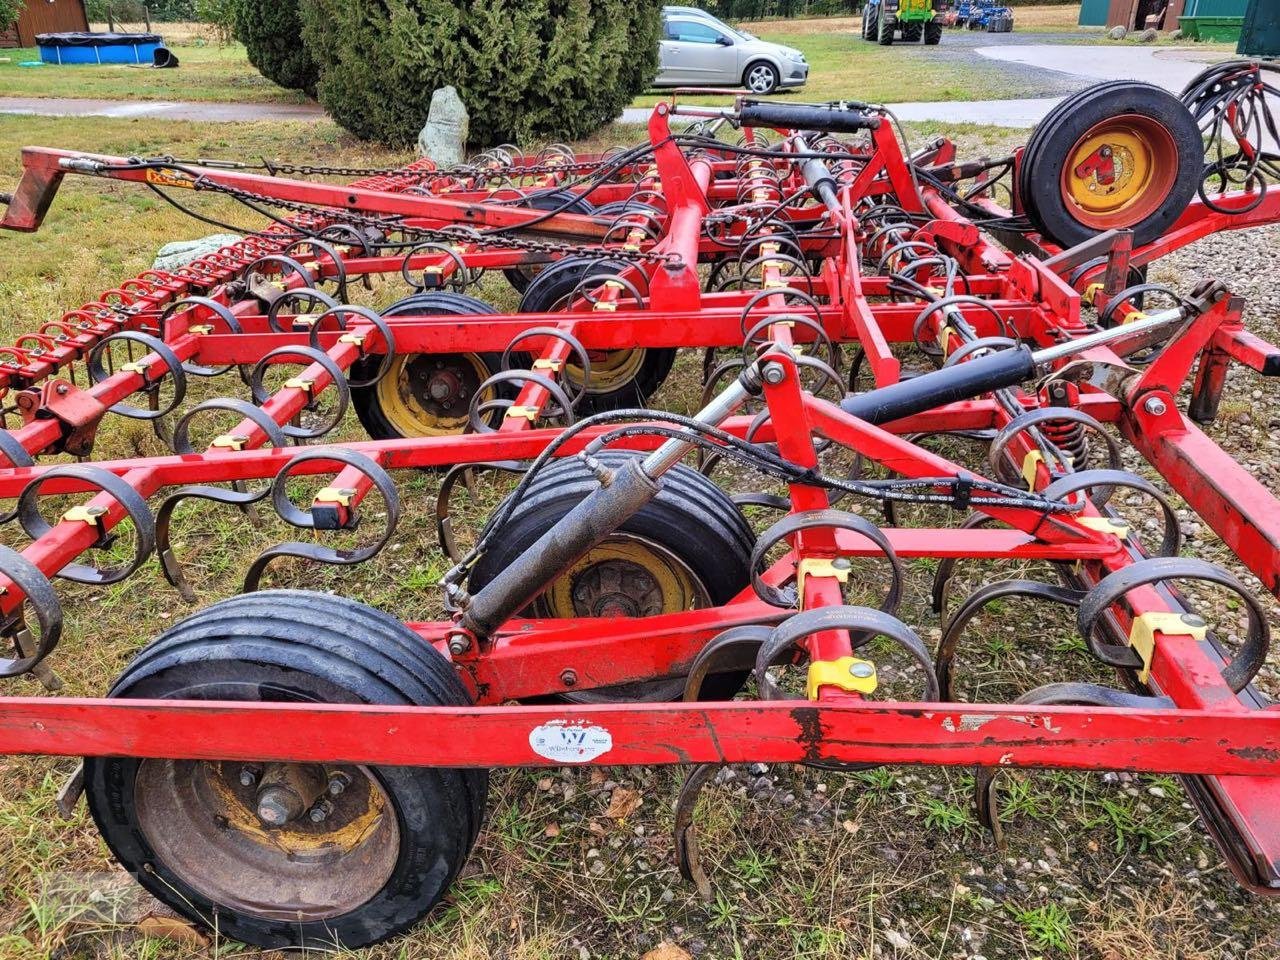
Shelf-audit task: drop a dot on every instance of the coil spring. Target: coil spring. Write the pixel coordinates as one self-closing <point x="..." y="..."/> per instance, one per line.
<point x="1071" y="438"/>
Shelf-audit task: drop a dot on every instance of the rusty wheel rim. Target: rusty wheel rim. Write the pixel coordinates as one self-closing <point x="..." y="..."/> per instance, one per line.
<point x="203" y="823"/>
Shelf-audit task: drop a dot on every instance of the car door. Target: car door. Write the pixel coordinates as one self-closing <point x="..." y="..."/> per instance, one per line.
<point x="694" y="52"/>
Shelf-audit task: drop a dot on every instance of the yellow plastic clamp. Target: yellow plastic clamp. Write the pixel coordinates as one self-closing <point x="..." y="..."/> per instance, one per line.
<point x="300" y="383"/>
<point x="89" y="515"/>
<point x="543" y="364"/>
<point x="340" y="495"/>
<point x="1029" y="464"/>
<point x="1142" y="635"/>
<point x="1105" y="525"/>
<point x="529" y="413"/>
<point x="847" y="673"/>
<point x="820" y="567"/>
<point x="229" y="441"/>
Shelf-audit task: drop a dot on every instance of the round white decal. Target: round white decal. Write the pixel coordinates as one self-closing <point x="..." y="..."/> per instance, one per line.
<point x="567" y="742"/>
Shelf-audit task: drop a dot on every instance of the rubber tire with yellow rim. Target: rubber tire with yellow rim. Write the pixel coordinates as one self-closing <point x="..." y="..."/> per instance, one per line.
<point x="1049" y="150"/>
<point x="300" y="646"/>
<point x="691" y="519"/>
<point x="367" y="402"/>
<point x="547" y="294"/>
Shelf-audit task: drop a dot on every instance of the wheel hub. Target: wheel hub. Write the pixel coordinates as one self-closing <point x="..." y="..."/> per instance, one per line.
<point x="617" y="588"/>
<point x="441" y="384"/>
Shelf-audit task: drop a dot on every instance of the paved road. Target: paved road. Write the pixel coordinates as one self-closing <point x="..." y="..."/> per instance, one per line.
<point x="1043" y="68"/>
<point x="163" y="109"/>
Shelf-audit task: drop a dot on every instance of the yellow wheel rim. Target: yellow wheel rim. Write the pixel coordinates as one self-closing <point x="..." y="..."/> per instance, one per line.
<point x="1120" y="172"/>
<point x="428" y="395"/>
<point x="624" y="576"/>
<point x="610" y="370"/>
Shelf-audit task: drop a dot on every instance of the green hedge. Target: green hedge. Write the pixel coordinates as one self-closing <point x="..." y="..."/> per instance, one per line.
<point x="271" y="31"/>
<point x="526" y="69"/>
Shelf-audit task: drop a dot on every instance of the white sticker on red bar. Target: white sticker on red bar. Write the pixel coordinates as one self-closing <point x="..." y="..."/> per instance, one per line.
<point x="566" y="742"/>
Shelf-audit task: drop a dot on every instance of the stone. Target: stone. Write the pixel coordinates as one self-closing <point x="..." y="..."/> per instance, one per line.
<point x="1117" y="33"/>
<point x="1149" y="36"/>
<point x="1176" y="35"/>
<point x="444" y="138"/>
<point x="181" y="252"/>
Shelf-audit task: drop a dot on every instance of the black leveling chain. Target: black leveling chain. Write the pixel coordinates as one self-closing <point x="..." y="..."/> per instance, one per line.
<point x="526" y="244"/>
<point x="459" y="171"/>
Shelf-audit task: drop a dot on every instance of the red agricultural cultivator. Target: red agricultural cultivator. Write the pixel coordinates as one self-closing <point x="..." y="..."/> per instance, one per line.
<point x="888" y="333"/>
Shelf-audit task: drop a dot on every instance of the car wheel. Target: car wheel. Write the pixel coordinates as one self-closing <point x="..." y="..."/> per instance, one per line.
<point x="761" y="78"/>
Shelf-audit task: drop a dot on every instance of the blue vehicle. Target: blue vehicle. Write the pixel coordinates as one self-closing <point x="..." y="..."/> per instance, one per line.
<point x="986" y="15"/>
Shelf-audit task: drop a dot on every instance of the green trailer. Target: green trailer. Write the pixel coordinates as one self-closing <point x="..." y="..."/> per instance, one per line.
<point x="1218" y="21"/>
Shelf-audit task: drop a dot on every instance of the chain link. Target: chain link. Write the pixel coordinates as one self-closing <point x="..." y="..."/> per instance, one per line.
<point x="448" y="235"/>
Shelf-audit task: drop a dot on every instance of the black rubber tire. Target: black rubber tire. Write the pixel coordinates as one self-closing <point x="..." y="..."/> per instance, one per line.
<point x="364" y="400"/>
<point x="933" y="33"/>
<point x="519" y="277"/>
<point x="1048" y="149"/>
<point x="870" y="24"/>
<point x="690" y="517"/>
<point x="884" y="30"/>
<point x="912" y="32"/>
<point x="558" y="282"/>
<point x="773" y="87"/>
<point x="1026" y="195"/>
<point x="301" y="646"/>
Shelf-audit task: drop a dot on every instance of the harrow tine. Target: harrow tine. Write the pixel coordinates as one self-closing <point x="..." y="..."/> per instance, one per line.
<point x="944" y="659"/>
<point x="1080" y="694"/>
<point x="169" y="564"/>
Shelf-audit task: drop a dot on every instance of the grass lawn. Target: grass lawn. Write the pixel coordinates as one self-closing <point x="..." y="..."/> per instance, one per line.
<point x="884" y="863"/>
<point x="208" y="72"/>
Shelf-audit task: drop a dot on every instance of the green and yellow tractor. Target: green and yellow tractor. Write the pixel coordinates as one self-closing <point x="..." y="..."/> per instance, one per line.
<point x="913" y="19"/>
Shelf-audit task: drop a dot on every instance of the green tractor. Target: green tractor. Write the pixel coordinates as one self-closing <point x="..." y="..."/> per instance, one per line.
<point x="914" y="19"/>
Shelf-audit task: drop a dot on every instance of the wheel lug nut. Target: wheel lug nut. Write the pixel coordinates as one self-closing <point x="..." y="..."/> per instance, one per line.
<point x="337" y="784"/>
<point x="320" y="812"/>
<point x="249" y="776"/>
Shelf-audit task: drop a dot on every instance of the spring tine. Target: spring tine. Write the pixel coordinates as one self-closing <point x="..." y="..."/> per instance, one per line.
<point x="972" y="606"/>
<point x="688" y="854"/>
<point x="986" y="801"/>
<point x="164" y="516"/>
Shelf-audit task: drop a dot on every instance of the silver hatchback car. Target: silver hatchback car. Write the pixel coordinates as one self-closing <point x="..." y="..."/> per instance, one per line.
<point x="699" y="50"/>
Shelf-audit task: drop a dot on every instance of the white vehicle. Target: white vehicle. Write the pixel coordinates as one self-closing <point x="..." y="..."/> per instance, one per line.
<point x="699" y="50"/>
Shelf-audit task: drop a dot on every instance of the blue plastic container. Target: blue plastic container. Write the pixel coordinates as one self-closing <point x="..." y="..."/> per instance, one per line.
<point x="69" y="48"/>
